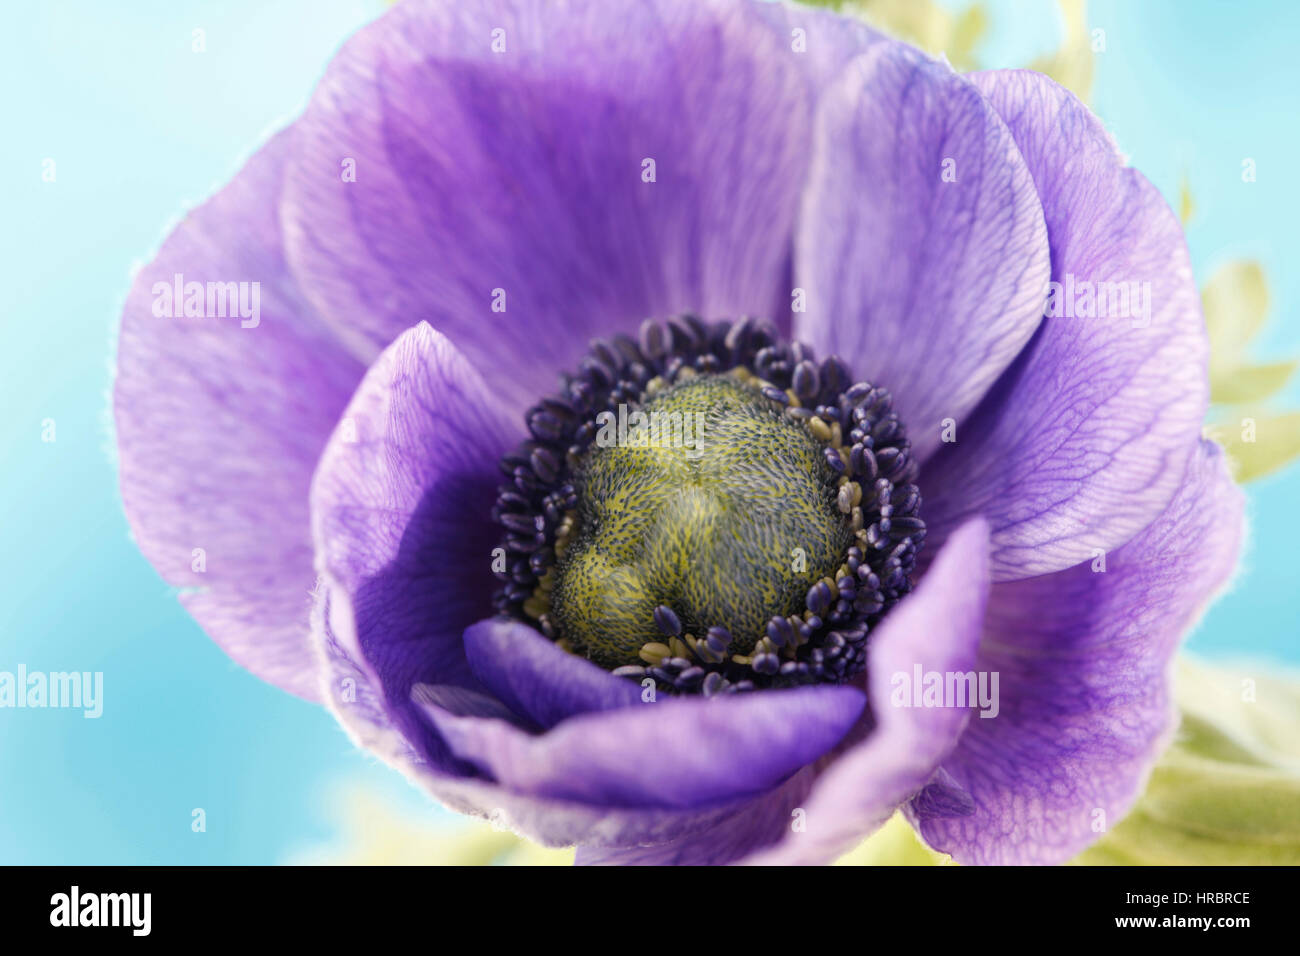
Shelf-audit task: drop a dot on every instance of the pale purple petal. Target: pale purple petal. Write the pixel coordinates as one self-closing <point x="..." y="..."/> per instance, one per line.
<point x="935" y="629"/>
<point x="537" y="679"/>
<point x="674" y="753"/>
<point x="825" y="41"/>
<point x="921" y="243"/>
<point x="524" y="171"/>
<point x="1084" y="658"/>
<point x="1083" y="442"/>
<point x="760" y="822"/>
<point x="401" y="508"/>
<point x="220" y="421"/>
<point x="352" y="692"/>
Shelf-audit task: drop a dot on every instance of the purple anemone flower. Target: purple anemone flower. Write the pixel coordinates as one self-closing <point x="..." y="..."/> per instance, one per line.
<point x="935" y="512"/>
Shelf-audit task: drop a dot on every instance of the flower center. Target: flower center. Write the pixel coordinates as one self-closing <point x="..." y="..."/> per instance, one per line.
<point x="711" y="509"/>
<point x="713" y="505"/>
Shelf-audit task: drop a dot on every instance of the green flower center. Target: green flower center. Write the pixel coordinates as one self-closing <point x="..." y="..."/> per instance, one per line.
<point x="707" y="500"/>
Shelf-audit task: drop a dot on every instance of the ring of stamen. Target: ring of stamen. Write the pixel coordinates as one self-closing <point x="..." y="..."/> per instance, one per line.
<point x="864" y="481"/>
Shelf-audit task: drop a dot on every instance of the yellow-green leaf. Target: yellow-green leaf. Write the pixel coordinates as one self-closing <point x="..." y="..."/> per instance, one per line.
<point x="1186" y="206"/>
<point x="1259" y="444"/>
<point x="1072" y="64"/>
<point x="1236" y="302"/>
<point x="925" y="24"/>
<point x="1248" y="383"/>
<point x="894" y="844"/>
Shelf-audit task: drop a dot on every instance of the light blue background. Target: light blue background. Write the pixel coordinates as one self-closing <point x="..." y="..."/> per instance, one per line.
<point x="141" y="128"/>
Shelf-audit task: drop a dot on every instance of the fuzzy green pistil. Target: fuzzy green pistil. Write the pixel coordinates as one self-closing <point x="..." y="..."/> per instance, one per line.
<point x="706" y="500"/>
